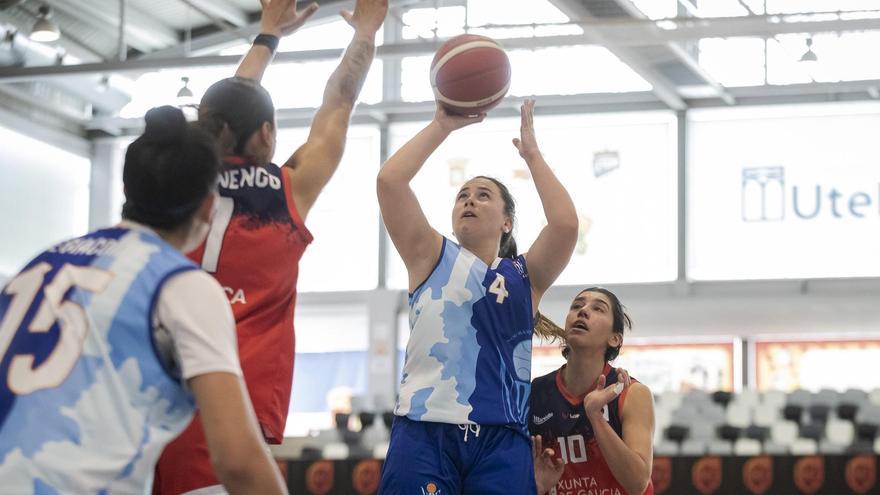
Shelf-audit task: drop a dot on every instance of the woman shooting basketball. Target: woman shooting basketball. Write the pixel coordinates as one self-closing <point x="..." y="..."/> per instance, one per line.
<point x="460" y="421"/>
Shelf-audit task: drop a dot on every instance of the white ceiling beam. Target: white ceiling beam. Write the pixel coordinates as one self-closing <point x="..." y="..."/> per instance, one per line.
<point x="141" y="32"/>
<point x="615" y="30"/>
<point x="220" y="9"/>
<point x="211" y="43"/>
<point x="683" y="56"/>
<point x="662" y="86"/>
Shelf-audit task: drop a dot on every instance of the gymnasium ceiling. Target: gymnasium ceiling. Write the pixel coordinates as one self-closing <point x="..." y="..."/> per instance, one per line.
<point x="64" y="84"/>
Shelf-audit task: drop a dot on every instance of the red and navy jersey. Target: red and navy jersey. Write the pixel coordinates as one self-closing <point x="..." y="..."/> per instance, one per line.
<point x="559" y="417"/>
<point x="256" y="240"/>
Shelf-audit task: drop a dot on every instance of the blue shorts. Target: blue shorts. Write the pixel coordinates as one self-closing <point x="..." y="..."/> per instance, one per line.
<point x="444" y="459"/>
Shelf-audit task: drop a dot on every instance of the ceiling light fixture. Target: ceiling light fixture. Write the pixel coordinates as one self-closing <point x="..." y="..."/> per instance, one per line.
<point x="185" y="92"/>
<point x="809" y="55"/>
<point x="45" y="31"/>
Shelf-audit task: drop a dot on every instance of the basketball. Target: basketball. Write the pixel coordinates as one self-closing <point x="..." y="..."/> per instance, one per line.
<point x="470" y="74"/>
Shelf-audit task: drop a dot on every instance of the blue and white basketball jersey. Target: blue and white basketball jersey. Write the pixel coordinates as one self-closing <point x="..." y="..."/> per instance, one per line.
<point x="468" y="359"/>
<point x="86" y="405"/>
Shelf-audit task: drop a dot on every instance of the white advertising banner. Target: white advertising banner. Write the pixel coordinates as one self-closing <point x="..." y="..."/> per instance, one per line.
<point x="784" y="192"/>
<point x="619" y="168"/>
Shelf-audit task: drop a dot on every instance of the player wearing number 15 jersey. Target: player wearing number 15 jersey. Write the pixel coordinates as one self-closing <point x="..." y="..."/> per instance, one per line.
<point x="600" y="426"/>
<point x="109" y="341"/>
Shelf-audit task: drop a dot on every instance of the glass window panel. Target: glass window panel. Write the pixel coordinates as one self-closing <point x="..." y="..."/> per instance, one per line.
<point x="344" y="219"/>
<point x="160" y="87"/>
<point x="550" y="71"/>
<point x="328" y="372"/>
<point x="798" y="364"/>
<point x="46" y="198"/>
<point x="336" y="34"/>
<point x="721" y="8"/>
<point x="797" y="6"/>
<point x="444" y="22"/>
<point x="415" y="80"/>
<point x="784" y="64"/>
<point x="294" y="85"/>
<point x="657" y="9"/>
<point x="795" y="184"/>
<point x="482" y="12"/>
<point x="541" y="71"/>
<point x="835" y="58"/>
<point x="733" y="61"/>
<point x="291" y="85"/>
<point x="619" y="168"/>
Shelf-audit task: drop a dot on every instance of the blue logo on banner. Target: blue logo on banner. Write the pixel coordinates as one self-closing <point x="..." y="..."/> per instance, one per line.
<point x="764" y="198"/>
<point x="763" y="194"/>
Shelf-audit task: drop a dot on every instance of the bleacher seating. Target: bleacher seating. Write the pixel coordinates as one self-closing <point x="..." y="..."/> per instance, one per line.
<point x="692" y="424"/>
<point x="776" y="423"/>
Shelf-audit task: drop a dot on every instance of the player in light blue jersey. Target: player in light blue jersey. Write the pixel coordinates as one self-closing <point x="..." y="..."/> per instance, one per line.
<point x="461" y="417"/>
<point x="109" y="341"/>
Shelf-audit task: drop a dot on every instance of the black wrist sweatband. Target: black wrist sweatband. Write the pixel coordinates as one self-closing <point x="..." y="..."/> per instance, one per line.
<point x="270" y="41"/>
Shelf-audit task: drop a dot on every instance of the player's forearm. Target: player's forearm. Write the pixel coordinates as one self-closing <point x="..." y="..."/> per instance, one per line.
<point x="558" y="206"/>
<point x="409" y="159"/>
<point x="347" y="80"/>
<point x="255" y="62"/>
<point x="258" y="475"/>
<point x="626" y="465"/>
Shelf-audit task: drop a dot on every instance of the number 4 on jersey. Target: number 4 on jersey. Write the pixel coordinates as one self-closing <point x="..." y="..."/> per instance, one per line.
<point x="499" y="289"/>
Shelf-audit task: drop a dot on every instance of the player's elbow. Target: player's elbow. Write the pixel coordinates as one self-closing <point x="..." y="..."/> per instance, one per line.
<point x="238" y="468"/>
<point x="638" y="488"/>
<point x="387" y="181"/>
<point x="566" y="228"/>
<point x="567" y="220"/>
<point x="639" y="483"/>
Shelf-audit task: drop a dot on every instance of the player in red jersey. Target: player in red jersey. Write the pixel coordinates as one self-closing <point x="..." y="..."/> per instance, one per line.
<point x="598" y="421"/>
<point x="258" y="234"/>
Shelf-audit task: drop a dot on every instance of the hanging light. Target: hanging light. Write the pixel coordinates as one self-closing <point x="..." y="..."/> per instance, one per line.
<point x="185" y="92"/>
<point x="45" y="30"/>
<point x="809" y="55"/>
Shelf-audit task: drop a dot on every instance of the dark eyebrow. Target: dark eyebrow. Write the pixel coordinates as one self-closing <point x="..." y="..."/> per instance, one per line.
<point x="466" y="188"/>
<point x="578" y="299"/>
<point x="603" y="302"/>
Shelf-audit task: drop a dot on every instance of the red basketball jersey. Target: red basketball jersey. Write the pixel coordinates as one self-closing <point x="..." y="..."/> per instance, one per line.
<point x="561" y="420"/>
<point x="253" y="249"/>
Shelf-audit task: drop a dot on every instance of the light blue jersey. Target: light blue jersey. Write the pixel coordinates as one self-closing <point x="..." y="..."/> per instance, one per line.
<point x="468" y="360"/>
<point x="86" y="405"/>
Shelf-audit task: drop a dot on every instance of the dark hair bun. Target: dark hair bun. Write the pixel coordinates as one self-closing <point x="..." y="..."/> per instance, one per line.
<point x="164" y="124"/>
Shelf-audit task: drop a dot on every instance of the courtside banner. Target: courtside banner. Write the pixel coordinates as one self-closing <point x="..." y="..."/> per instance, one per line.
<point x="707" y="475"/>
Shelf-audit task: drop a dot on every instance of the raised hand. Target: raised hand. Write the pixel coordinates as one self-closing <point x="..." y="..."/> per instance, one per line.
<point x="280" y="17"/>
<point x="527" y="144"/>
<point x="595" y="401"/>
<point x="450" y="121"/>
<point x="548" y="468"/>
<point x="368" y="15"/>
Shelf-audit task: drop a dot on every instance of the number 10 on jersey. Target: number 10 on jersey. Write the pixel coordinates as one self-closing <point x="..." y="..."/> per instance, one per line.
<point x="572" y="449"/>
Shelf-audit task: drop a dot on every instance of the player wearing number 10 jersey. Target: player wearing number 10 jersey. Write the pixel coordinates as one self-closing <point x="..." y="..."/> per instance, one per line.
<point x="588" y="412"/>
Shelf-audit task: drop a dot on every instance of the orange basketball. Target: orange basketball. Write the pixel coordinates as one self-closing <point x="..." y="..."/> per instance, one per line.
<point x="470" y="74"/>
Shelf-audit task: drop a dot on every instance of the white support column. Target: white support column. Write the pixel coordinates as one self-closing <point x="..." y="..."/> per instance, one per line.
<point x="105" y="188"/>
<point x="384" y="306"/>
